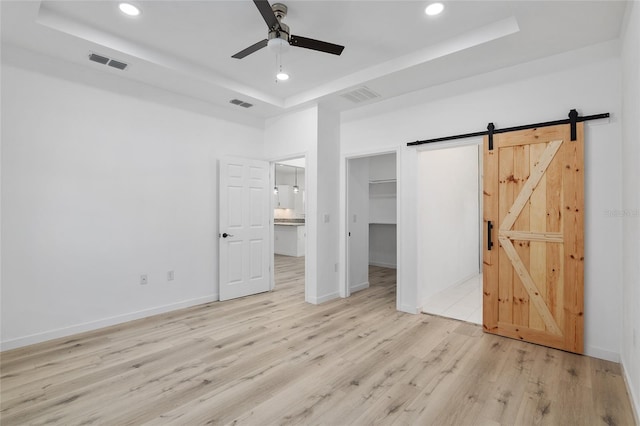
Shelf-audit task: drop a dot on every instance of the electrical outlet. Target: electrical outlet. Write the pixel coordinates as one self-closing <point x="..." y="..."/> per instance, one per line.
<point x="170" y="276"/>
<point x="336" y="267"/>
<point x="143" y="279"/>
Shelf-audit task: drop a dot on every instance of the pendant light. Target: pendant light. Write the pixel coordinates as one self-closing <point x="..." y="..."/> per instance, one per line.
<point x="275" y="179"/>
<point x="296" y="189"/>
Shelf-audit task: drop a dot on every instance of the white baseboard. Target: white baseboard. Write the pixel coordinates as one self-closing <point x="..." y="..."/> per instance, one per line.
<point x="409" y="309"/>
<point x="383" y="265"/>
<point x="602" y="354"/>
<point x="322" y="299"/>
<point x="359" y="287"/>
<point x="635" y="402"/>
<point x="101" y="323"/>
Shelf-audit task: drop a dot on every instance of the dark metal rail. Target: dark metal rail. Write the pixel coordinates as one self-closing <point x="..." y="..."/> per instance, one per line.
<point x="491" y="130"/>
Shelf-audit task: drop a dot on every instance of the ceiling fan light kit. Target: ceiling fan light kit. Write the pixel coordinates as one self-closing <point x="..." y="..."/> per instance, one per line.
<point x="282" y="76"/>
<point x="278" y="45"/>
<point x="279" y="36"/>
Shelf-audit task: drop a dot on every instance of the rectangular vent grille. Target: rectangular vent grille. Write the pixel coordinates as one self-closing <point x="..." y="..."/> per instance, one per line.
<point x="117" y="64"/>
<point x="241" y="103"/>
<point x="107" y="61"/>
<point x="361" y="94"/>
<point x="99" y="59"/>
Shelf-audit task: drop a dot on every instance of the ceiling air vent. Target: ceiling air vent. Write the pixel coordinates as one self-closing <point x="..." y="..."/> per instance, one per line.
<point x="241" y="103"/>
<point x="107" y="61"/>
<point x="99" y="59"/>
<point x="117" y="64"/>
<point x="361" y="94"/>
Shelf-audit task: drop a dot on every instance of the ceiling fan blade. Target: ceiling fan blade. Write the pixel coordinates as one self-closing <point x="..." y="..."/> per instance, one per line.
<point x="267" y="13"/>
<point x="249" y="50"/>
<point x="309" y="43"/>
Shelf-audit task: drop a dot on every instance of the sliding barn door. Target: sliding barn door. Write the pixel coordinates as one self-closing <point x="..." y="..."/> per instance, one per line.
<point x="533" y="244"/>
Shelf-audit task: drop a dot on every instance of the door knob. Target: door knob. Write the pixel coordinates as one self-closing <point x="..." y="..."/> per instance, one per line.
<point x="225" y="235"/>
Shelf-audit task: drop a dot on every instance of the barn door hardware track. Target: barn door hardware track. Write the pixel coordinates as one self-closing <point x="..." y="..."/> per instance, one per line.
<point x="573" y="119"/>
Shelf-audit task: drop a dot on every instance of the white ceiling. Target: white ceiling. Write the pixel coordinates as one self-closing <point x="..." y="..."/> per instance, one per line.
<point x="391" y="47"/>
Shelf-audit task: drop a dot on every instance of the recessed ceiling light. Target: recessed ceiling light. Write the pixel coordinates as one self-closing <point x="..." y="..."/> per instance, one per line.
<point x="129" y="9"/>
<point x="434" y="9"/>
<point x="282" y="76"/>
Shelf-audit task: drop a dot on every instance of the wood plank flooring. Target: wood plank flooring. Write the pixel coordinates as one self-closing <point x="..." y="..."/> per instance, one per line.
<point x="273" y="359"/>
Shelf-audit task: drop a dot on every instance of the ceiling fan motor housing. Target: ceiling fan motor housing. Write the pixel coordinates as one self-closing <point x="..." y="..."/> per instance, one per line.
<point x="280" y="10"/>
<point x="282" y="31"/>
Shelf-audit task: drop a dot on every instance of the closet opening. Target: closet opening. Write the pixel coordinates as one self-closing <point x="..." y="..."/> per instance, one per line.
<point x="371" y="224"/>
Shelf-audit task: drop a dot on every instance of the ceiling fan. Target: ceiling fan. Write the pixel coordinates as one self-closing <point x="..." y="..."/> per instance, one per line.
<point x="279" y="33"/>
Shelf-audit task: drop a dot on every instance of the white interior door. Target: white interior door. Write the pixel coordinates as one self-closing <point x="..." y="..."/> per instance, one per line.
<point x="244" y="244"/>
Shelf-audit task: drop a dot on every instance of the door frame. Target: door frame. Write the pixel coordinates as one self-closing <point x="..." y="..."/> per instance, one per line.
<point x="272" y="183"/>
<point x="344" y="289"/>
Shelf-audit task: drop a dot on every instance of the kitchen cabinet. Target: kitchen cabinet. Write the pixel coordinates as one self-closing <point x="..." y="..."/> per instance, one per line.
<point x="298" y="203"/>
<point x="284" y="199"/>
<point x="289" y="239"/>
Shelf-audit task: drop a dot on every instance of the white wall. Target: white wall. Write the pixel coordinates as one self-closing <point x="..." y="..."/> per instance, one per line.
<point x="97" y="189"/>
<point x="382" y="167"/>
<point x="591" y="87"/>
<point x="295" y="135"/>
<point x="383" y="245"/>
<point x="358" y="223"/>
<point x="630" y="220"/>
<point x="287" y="176"/>
<point x="315" y="134"/>
<point x="448" y="218"/>
<point x="329" y="262"/>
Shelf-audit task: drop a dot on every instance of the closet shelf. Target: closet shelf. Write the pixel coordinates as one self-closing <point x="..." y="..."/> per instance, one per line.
<point x="382" y="189"/>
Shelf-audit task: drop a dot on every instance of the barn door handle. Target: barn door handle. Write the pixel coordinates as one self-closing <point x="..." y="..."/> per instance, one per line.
<point x="489" y="228"/>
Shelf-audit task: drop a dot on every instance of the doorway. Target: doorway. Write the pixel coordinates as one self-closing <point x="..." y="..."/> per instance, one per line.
<point x="289" y="226"/>
<point x="449" y="222"/>
<point x="371" y="223"/>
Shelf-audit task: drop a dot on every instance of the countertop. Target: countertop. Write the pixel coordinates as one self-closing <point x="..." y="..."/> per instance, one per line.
<point x="289" y="223"/>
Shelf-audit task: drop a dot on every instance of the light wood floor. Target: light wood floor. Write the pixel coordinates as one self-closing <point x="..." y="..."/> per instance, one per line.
<point x="272" y="359"/>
